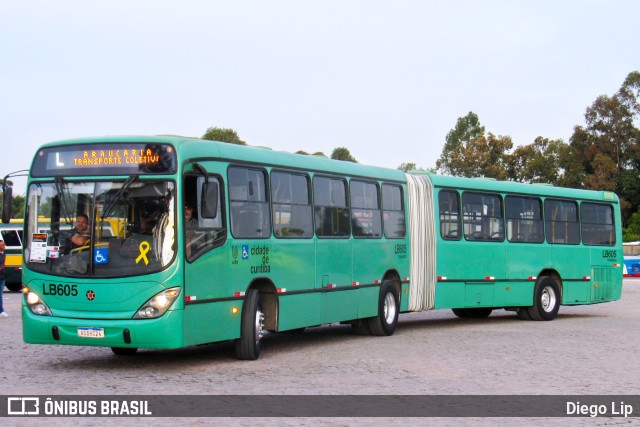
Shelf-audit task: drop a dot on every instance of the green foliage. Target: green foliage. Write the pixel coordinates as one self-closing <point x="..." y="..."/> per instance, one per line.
<point x="453" y="159"/>
<point x="341" y="153"/>
<point x="407" y="167"/>
<point x="632" y="232"/>
<point x="469" y="152"/>
<point x="223" y="135"/>
<point x="608" y="146"/>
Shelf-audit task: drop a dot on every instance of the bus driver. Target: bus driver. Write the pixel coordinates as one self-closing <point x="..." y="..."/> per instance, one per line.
<point x="81" y="233"/>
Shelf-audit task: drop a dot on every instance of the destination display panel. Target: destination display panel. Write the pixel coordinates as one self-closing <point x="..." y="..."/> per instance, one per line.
<point x="105" y="159"/>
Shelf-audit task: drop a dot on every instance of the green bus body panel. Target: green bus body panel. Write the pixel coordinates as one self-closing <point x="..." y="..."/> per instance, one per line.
<point x="164" y="332"/>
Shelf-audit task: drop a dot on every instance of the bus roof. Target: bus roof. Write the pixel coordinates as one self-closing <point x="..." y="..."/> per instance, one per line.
<point x="195" y="149"/>
<point x="544" y="190"/>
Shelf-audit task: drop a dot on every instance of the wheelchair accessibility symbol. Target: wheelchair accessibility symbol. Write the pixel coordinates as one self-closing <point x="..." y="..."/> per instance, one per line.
<point x="100" y="255"/>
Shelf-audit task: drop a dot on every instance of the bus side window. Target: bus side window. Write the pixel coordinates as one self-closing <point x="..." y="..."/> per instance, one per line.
<point x="561" y="222"/>
<point x="482" y="217"/>
<point x="365" y="209"/>
<point x="597" y="224"/>
<point x="202" y="234"/>
<point x="292" y="214"/>
<point x="250" y="218"/>
<point x="332" y="217"/>
<point x="449" y="207"/>
<point x="393" y="212"/>
<point x="524" y="219"/>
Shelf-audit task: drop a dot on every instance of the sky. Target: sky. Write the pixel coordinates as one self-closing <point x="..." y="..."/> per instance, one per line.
<point x="385" y="79"/>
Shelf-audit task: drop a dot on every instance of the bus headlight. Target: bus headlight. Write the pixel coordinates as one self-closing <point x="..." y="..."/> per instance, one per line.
<point x="35" y="303"/>
<point x="158" y="305"/>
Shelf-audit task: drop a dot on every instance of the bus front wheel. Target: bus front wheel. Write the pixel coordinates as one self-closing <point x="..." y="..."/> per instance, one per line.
<point x="546" y="299"/>
<point x="251" y="327"/>
<point x="386" y="321"/>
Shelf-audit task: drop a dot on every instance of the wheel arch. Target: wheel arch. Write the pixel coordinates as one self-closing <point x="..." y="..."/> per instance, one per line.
<point x="394" y="276"/>
<point x="269" y="301"/>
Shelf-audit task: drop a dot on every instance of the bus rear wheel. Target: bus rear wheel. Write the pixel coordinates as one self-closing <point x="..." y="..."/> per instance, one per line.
<point x="251" y="328"/>
<point x="386" y="321"/>
<point x="546" y="299"/>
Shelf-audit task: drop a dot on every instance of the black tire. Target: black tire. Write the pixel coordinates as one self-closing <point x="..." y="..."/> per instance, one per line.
<point x="124" y="351"/>
<point x="478" y="312"/>
<point x="386" y="321"/>
<point x="293" y="331"/>
<point x="361" y="327"/>
<point x="251" y="328"/>
<point x="460" y="312"/>
<point x="523" y="313"/>
<point x="14" y="287"/>
<point x="472" y="313"/>
<point x="546" y="299"/>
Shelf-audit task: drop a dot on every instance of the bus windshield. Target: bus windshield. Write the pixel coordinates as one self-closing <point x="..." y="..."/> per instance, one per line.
<point x="100" y="229"/>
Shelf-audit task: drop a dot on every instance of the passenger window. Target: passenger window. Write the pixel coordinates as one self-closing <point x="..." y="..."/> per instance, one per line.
<point x="331" y="211"/>
<point x="597" y="224"/>
<point x="250" y="217"/>
<point x="292" y="217"/>
<point x="365" y="209"/>
<point x="482" y="215"/>
<point x="202" y="234"/>
<point x="524" y="219"/>
<point x="449" y="207"/>
<point x="11" y="238"/>
<point x="561" y="222"/>
<point x="393" y="212"/>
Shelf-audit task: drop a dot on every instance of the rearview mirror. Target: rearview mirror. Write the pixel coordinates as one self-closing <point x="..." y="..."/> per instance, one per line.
<point x="7" y="203"/>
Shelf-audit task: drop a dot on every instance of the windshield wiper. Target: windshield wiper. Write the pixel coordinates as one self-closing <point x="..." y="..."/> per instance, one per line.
<point x="108" y="210"/>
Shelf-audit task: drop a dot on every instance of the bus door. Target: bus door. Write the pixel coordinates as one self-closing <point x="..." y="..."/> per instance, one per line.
<point x="290" y="260"/>
<point x="334" y="257"/>
<point x="483" y="258"/>
<point x="207" y="289"/>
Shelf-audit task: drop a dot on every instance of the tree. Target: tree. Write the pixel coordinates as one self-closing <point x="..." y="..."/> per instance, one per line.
<point x="341" y="153"/>
<point x="223" y="135"/>
<point x="452" y="159"/>
<point x="539" y="161"/>
<point x="469" y="152"/>
<point x="632" y="232"/>
<point x="608" y="146"/>
<point x="407" y="167"/>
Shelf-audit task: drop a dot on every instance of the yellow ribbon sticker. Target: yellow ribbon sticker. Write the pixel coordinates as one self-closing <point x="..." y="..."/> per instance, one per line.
<point x="144" y="248"/>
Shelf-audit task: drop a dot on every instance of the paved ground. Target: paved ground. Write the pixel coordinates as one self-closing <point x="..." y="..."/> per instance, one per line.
<point x="586" y="350"/>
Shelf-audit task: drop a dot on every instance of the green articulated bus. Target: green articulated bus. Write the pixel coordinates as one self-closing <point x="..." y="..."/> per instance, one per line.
<point x="222" y="242"/>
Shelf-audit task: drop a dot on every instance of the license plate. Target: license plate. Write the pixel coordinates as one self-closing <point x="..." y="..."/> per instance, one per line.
<point x="91" y="332"/>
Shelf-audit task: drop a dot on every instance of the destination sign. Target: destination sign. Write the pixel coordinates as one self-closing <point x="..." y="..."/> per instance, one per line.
<point x="105" y="159"/>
